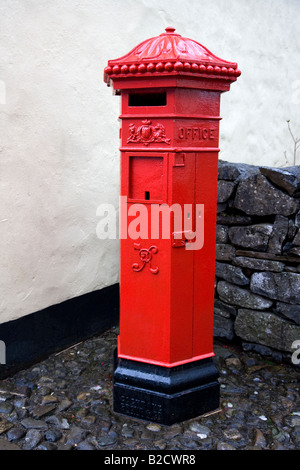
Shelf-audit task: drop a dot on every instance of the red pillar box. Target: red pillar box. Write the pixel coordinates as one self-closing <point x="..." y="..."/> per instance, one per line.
<point x="170" y="88"/>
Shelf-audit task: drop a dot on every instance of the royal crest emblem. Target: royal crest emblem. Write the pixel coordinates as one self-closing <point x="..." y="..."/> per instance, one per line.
<point x="147" y="133"/>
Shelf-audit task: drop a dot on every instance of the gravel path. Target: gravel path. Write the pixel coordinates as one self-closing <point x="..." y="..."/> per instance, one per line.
<point x="65" y="403"/>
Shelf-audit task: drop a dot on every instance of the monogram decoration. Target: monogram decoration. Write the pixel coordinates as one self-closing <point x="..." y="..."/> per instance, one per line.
<point x="147" y="134"/>
<point x="145" y="256"/>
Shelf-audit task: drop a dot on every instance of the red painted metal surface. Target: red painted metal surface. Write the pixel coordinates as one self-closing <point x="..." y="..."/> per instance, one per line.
<point x="170" y="89"/>
<point x="170" y="54"/>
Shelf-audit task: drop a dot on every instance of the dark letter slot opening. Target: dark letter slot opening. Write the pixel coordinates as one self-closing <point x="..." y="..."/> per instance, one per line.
<point x="148" y="99"/>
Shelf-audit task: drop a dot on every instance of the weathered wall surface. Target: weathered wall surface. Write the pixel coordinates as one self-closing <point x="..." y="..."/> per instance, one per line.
<point x="59" y="129"/>
<point x="258" y="258"/>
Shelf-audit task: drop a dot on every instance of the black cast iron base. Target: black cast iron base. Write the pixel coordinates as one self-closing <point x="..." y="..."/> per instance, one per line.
<point x="165" y="395"/>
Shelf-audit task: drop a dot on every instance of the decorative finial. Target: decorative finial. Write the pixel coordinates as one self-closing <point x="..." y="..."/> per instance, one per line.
<point x="170" y="29"/>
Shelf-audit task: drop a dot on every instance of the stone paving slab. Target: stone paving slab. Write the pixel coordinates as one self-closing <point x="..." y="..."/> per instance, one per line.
<point x="65" y="403"/>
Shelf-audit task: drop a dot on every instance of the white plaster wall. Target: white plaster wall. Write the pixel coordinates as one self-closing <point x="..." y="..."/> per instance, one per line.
<point x="59" y="131"/>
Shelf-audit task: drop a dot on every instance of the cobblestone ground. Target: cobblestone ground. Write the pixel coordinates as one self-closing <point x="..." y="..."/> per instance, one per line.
<point x="65" y="403"/>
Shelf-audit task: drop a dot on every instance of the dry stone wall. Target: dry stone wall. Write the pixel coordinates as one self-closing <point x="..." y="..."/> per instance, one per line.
<point x="257" y="295"/>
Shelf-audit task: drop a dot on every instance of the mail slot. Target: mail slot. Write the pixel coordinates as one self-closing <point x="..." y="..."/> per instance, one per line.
<point x="170" y="89"/>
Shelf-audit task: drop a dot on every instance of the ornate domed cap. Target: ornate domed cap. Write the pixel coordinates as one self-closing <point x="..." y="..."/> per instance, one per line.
<point x="170" y="53"/>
